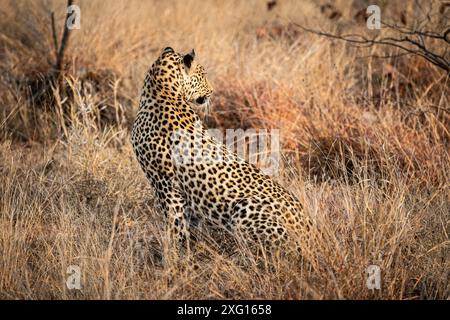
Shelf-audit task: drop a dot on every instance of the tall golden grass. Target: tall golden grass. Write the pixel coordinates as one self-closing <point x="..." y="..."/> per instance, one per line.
<point x="365" y="147"/>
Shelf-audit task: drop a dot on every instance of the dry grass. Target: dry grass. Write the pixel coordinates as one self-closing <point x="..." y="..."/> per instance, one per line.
<point x="365" y="142"/>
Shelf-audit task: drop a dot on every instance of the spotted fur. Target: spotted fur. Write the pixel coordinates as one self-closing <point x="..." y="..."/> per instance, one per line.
<point x="223" y="189"/>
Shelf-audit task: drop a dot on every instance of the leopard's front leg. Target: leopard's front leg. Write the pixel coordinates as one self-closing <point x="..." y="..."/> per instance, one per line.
<point x="172" y="204"/>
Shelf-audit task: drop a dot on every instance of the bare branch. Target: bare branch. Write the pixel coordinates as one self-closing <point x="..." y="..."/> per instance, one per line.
<point x="405" y="42"/>
<point x="420" y="33"/>
<point x="54" y="35"/>
<point x="65" y="38"/>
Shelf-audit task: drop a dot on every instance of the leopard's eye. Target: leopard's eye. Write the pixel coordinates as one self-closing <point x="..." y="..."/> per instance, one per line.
<point x="200" y="100"/>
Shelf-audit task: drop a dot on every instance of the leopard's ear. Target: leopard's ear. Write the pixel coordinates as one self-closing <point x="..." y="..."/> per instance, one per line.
<point x="167" y="50"/>
<point x="188" y="58"/>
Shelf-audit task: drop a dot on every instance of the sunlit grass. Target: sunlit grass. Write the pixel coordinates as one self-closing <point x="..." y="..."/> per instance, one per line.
<point x="365" y="147"/>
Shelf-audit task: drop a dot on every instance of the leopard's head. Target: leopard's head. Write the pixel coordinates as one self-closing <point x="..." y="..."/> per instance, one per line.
<point x="186" y="75"/>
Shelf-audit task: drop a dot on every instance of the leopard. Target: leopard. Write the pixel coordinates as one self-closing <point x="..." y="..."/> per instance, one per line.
<point x="221" y="188"/>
